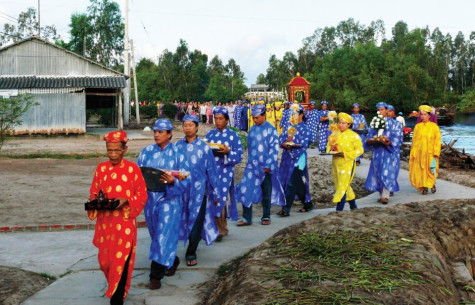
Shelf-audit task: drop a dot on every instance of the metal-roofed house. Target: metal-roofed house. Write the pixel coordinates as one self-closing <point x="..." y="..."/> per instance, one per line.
<point x="64" y="83"/>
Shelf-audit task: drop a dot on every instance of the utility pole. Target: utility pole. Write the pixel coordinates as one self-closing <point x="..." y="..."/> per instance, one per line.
<point x="39" y="24"/>
<point x="136" y="90"/>
<point x="120" y="122"/>
<point x="126" y="66"/>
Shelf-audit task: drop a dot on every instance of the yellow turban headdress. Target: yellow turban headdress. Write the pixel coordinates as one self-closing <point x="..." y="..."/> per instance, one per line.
<point x="268" y="106"/>
<point x="278" y="104"/>
<point x="425" y="108"/>
<point x="345" y="117"/>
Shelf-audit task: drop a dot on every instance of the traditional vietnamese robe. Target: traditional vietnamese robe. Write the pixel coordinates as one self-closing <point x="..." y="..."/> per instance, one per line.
<point x="425" y="145"/>
<point x="323" y="130"/>
<point x="226" y="165"/>
<point x="249" y="119"/>
<point x="203" y="182"/>
<point x="278" y="118"/>
<point x="343" y="168"/>
<point x="163" y="210"/>
<point x="270" y="117"/>
<point x="244" y="118"/>
<point x="290" y="157"/>
<point x="263" y="148"/>
<point x="237" y="117"/>
<point x="312" y="120"/>
<point x="384" y="167"/>
<point x="286" y="114"/>
<point x="358" y="120"/>
<point x="116" y="231"/>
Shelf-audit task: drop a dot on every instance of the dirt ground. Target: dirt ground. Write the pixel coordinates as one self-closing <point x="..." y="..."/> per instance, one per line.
<point x="17" y="285"/>
<point x="432" y="245"/>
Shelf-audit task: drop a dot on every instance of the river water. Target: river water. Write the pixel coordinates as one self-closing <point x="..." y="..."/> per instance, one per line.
<point x="463" y="130"/>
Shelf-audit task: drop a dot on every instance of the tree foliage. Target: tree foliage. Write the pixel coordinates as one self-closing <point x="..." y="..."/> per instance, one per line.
<point x="186" y="75"/>
<point x="27" y="26"/>
<point x="356" y="63"/>
<point x="11" y="112"/>
<point x="98" y="33"/>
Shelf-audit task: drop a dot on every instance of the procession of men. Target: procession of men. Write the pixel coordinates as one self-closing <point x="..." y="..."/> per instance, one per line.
<point x="195" y="192"/>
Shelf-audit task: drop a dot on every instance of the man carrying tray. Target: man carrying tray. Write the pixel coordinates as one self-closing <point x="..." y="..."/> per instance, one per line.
<point x="116" y="230"/>
<point x="164" y="206"/>
<point x="229" y="155"/>
<point x="260" y="182"/>
<point x="383" y="168"/>
<point x="293" y="165"/>
<point x="197" y="217"/>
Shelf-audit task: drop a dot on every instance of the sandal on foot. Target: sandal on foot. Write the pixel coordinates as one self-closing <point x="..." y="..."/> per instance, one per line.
<point x="243" y="222"/>
<point x="265" y="222"/>
<point x="424" y="191"/>
<point x="384" y="200"/>
<point x="283" y="213"/>
<point x="191" y="262"/>
<point x="433" y="189"/>
<point x="303" y="210"/>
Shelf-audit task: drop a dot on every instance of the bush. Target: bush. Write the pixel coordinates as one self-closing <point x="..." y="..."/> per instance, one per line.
<point x="170" y="110"/>
<point x="105" y="116"/>
<point x="150" y="111"/>
<point x="11" y="112"/>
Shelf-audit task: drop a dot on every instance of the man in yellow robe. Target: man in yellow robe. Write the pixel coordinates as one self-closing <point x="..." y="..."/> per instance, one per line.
<point x="249" y="116"/>
<point x="270" y="116"/>
<point x="278" y="116"/>
<point x="348" y="146"/>
<point x="425" y="152"/>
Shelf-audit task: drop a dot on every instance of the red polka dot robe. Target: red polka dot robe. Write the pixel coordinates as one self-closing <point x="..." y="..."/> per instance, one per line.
<point x="116" y="231"/>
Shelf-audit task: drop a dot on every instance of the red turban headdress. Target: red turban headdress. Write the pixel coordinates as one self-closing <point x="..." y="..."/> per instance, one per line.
<point x="115" y="137"/>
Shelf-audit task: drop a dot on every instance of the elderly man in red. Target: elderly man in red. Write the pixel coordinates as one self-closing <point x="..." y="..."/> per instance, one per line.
<point x="116" y="230"/>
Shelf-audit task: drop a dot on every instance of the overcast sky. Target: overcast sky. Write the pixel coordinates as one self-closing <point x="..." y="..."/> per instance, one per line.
<point x="250" y="30"/>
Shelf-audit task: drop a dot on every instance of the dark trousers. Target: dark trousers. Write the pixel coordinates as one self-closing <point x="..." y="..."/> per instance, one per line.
<point x="157" y="271"/>
<point x="295" y="187"/>
<point x="266" y="187"/>
<point x="340" y="205"/>
<point x="195" y="234"/>
<point x="118" y="296"/>
<point x="203" y="118"/>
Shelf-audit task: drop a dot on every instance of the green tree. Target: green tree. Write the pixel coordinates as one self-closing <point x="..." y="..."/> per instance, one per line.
<point x="98" y="33"/>
<point x="11" y="111"/>
<point x="216" y="90"/>
<point x="27" y="26"/>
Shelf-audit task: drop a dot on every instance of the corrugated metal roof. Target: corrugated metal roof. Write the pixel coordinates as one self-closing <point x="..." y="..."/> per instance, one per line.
<point x="34" y="38"/>
<point x="33" y="81"/>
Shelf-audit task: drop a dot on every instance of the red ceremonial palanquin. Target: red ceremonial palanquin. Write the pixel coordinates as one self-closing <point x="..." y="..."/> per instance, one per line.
<point x="116" y="231"/>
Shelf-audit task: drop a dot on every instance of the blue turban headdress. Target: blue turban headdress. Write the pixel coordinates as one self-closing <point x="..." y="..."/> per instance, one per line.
<point x="258" y="110"/>
<point x="190" y="117"/>
<point x="381" y="104"/>
<point x="220" y="110"/>
<point x="163" y="124"/>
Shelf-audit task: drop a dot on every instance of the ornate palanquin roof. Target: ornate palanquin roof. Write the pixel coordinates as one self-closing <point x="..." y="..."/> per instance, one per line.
<point x="298" y="81"/>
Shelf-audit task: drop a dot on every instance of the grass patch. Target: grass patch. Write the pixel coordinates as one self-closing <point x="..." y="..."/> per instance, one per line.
<point x="47" y="276"/>
<point x="228" y="267"/>
<point x="51" y="155"/>
<point x="343" y="267"/>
